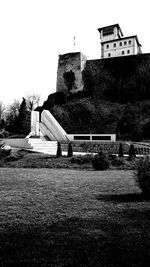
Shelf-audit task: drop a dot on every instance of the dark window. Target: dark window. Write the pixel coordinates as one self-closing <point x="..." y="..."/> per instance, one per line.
<point x="107" y="46"/>
<point x="108" y="31"/>
<point x="125" y="42"/>
<point x="128" y="51"/>
<point x="129" y="41"/>
<point x="101" y="137"/>
<point x="81" y="137"/>
<point x="109" y="55"/>
<point x="120" y="43"/>
<point x="114" y="45"/>
<point x="122" y="52"/>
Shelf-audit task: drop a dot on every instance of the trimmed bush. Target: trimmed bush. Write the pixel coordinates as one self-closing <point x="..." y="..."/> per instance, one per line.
<point x="100" y="162"/>
<point x="120" y="154"/>
<point x="132" y="154"/>
<point x="142" y="175"/>
<point x="82" y="159"/>
<point x="59" y="153"/>
<point x="70" y="151"/>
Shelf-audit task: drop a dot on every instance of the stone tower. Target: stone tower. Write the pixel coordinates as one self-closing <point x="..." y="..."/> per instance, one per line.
<point x="69" y="74"/>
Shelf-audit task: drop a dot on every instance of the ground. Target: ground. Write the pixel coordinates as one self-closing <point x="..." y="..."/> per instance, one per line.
<point x="63" y="217"/>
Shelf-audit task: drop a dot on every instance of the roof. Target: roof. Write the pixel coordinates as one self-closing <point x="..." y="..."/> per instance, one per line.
<point x="114" y="25"/>
<point x="123" y="38"/>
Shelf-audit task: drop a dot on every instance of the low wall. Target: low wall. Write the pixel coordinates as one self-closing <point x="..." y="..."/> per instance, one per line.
<point x="95" y="147"/>
<point x="16" y="142"/>
<point x="106" y="147"/>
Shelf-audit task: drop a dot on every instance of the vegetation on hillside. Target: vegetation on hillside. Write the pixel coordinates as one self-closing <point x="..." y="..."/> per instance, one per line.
<point x="92" y="115"/>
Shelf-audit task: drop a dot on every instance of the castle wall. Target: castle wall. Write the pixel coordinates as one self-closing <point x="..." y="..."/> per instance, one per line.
<point x="118" y="78"/>
<point x="69" y="74"/>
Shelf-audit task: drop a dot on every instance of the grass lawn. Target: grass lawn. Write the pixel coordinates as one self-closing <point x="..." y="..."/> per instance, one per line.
<point x="62" y="217"/>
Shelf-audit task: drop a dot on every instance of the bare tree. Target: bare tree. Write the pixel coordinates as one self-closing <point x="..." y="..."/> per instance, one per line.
<point x="2" y="110"/>
<point x="32" y="101"/>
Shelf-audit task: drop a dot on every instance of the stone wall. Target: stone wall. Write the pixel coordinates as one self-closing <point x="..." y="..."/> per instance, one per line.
<point x="95" y="147"/>
<point x="120" y="79"/>
<point x="105" y="147"/>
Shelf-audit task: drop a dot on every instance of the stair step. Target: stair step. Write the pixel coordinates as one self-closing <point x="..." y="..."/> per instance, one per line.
<point x="53" y="153"/>
<point x="39" y="141"/>
<point x="43" y="146"/>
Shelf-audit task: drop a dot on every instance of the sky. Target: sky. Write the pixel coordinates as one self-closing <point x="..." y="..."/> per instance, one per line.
<point x="33" y="33"/>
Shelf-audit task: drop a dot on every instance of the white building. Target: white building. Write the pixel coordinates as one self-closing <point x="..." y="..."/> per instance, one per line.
<point x="114" y="44"/>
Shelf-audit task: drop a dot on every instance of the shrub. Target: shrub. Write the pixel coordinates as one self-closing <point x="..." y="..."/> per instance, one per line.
<point x="6" y="134"/>
<point x="59" y="153"/>
<point x="2" y="144"/>
<point x="70" y="151"/>
<point x="132" y="154"/>
<point x="112" y="156"/>
<point x="120" y="154"/>
<point x="1" y="135"/>
<point x="100" y="162"/>
<point x="117" y="162"/>
<point x="4" y="153"/>
<point x="142" y="175"/>
<point x="82" y="159"/>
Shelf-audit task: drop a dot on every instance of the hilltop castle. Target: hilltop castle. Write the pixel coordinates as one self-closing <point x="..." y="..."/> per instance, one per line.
<point x="72" y="65"/>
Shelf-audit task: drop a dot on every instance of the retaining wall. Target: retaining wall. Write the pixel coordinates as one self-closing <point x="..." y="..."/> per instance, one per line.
<point x="16" y="142"/>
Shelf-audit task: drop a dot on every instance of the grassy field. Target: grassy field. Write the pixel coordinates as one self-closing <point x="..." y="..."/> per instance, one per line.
<point x="62" y="217"/>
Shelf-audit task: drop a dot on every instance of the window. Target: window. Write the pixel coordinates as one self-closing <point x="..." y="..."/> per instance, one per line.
<point x="108" y="31"/>
<point x="125" y="42"/>
<point x="81" y="137"/>
<point x="129" y="42"/>
<point x="107" y="46"/>
<point x="120" y="43"/>
<point x="122" y="52"/>
<point x="109" y="55"/>
<point x="106" y="137"/>
<point x="128" y="51"/>
<point x="114" y="45"/>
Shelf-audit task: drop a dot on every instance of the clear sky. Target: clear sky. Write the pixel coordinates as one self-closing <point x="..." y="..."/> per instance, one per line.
<point x="34" y="32"/>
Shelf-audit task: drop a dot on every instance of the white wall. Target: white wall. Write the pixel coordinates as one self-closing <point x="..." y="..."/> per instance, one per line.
<point x="112" y="137"/>
<point x="16" y="142"/>
<point x="117" y="51"/>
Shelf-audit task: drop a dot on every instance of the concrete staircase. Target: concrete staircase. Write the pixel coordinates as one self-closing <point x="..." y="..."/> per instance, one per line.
<point x="43" y="146"/>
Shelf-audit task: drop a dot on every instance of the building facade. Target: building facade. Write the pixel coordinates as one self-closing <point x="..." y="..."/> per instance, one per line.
<point x="114" y="44"/>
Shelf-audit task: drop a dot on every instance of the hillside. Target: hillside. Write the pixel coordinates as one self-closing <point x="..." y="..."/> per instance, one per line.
<point x="88" y="115"/>
<point x="115" y="99"/>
